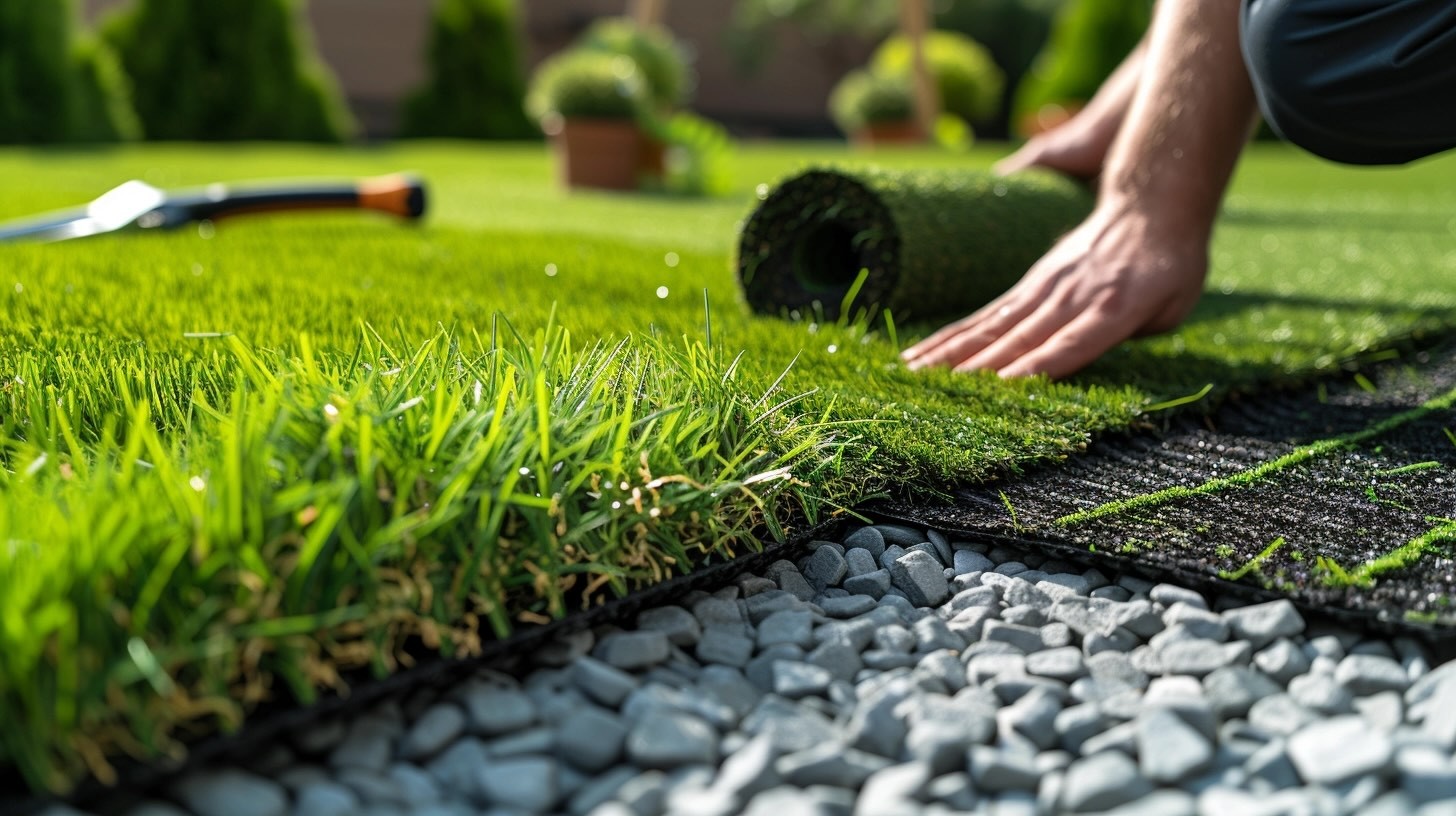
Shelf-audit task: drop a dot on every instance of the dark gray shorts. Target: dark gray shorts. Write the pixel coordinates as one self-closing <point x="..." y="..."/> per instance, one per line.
<point x="1356" y="81"/>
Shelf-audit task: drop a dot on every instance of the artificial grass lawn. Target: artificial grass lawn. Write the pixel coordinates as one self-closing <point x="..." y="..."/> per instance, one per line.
<point x="244" y="463"/>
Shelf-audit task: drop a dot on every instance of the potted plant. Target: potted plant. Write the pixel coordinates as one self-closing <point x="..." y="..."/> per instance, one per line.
<point x="969" y="82"/>
<point x="663" y="66"/>
<point x="875" y="110"/>
<point x="589" y="104"/>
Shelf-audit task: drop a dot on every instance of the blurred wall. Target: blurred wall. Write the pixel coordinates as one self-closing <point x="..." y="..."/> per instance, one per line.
<point x="376" y="48"/>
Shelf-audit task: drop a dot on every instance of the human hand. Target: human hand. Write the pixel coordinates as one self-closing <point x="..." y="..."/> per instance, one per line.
<point x="1077" y="148"/>
<point x="1123" y="273"/>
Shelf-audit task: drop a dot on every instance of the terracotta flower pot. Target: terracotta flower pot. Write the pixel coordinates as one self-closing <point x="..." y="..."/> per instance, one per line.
<point x="652" y="160"/>
<point x="887" y="134"/>
<point x="601" y="153"/>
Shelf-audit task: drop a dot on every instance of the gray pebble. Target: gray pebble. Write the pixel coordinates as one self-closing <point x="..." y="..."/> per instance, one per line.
<point x="849" y="606"/>
<point x="1072" y="582"/>
<point x="874" y="584"/>
<point x="860" y="562"/>
<point x="1064" y="663"/>
<point x="1426" y="773"/>
<point x="1033" y="716"/>
<point x="1102" y="781"/>
<point x="1024" y="615"/>
<point x="414" y="784"/>
<point x="1169" y="749"/>
<point x="368" y="745"/>
<point x="678" y="624"/>
<point x="1365" y="674"/>
<point x="837" y="657"/>
<point x="495" y="710"/>
<point x="629" y="651"/>
<point x="1271" y="764"/>
<point x="715" y="612"/>
<point x="439" y="726"/>
<point x="902" y="535"/>
<point x="1263" y="623"/>
<point x="1024" y="638"/>
<point x="1111" y="593"/>
<point x="1197" y="621"/>
<point x="868" y="539"/>
<point x="996" y="771"/>
<point x="593" y="740"/>
<point x="538" y="740"/>
<point x="790" y="727"/>
<point x="725" y="646"/>
<point x="1195" y="657"/>
<point x="793" y="679"/>
<point x="944" y="666"/>
<point x="669" y="739"/>
<point x="919" y="576"/>
<point x="1331" y="751"/>
<point x="606" y="684"/>
<point x="599" y="790"/>
<point x="1118" y="640"/>
<point x="230" y="792"/>
<point x="965" y="561"/>
<point x="1233" y="690"/>
<point x="1169" y="594"/>
<point x="326" y="799"/>
<point x="1280" y="714"/>
<point x="1320" y="692"/>
<point x="1384" y="711"/>
<point x="523" y="783"/>
<point x="1079" y="723"/>
<point x="795" y="627"/>
<point x="825" y="568"/>
<point x="892" y="552"/>
<point x="1282" y="660"/>
<point x="829" y="764"/>
<point x="790" y="580"/>
<point x="322" y="736"/>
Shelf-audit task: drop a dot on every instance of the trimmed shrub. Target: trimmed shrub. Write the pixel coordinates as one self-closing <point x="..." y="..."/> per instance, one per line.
<point x="53" y="86"/>
<point x="863" y="98"/>
<point x="590" y="85"/>
<point x="1089" y="39"/>
<point x="662" y="61"/>
<point x="1014" y="31"/>
<point x="209" y="70"/>
<point x="477" y="85"/>
<point x="968" y="79"/>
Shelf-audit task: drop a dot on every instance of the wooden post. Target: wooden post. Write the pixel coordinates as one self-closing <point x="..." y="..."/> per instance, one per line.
<point x="648" y="12"/>
<point x="914" y="24"/>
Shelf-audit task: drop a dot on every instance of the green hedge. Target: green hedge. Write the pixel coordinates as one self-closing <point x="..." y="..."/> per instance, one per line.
<point x="476" y="86"/>
<point x="55" y="86"/>
<point x="1089" y="40"/>
<point x="213" y="70"/>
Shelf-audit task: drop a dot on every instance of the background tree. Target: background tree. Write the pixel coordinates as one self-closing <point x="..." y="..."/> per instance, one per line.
<point x="209" y="70"/>
<point x="476" y="84"/>
<point x="55" y="84"/>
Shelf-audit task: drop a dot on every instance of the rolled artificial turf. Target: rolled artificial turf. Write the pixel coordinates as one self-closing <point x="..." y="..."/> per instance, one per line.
<point x="926" y="243"/>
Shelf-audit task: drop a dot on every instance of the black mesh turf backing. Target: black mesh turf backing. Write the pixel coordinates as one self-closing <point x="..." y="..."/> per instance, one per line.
<point x="1334" y="512"/>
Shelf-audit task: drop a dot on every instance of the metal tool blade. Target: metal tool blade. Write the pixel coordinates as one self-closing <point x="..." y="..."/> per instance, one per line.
<point x="120" y="207"/>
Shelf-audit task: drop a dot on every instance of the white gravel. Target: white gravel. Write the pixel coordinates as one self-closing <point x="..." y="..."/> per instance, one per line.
<point x="897" y="671"/>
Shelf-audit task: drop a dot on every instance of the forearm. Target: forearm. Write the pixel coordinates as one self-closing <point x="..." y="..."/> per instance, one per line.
<point x="1190" y="117"/>
<point x="1109" y="106"/>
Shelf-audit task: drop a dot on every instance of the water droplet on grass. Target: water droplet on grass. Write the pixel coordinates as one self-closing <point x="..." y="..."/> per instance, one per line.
<point x="525" y="471"/>
<point x="550" y="270"/>
<point x="616" y="505"/>
<point x="671" y="259"/>
<point x="331" y="411"/>
<point x="761" y="191"/>
<point x="197" y="270"/>
<point x="19" y="288"/>
<point x="833" y="348"/>
<point x="662" y="291"/>
<point x="197" y="483"/>
<point x="206" y="230"/>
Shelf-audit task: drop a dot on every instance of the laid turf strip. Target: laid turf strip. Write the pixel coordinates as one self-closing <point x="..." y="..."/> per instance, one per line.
<point x="922" y="243"/>
<point x="1339" y="497"/>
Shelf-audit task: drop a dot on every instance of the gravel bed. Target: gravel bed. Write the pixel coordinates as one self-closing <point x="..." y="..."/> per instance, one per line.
<point x="895" y="672"/>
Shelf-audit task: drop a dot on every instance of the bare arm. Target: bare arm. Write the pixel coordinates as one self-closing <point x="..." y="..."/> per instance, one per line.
<point x="1079" y="146"/>
<point x="1137" y="264"/>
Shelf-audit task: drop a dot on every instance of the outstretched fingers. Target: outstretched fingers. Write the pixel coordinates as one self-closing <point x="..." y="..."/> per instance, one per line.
<point x="1072" y="347"/>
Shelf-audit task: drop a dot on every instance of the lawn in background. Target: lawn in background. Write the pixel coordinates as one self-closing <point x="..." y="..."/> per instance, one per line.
<point x="242" y="461"/>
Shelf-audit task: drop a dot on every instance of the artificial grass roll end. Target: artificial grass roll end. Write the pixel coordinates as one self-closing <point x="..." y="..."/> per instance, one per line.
<point x="927" y="243"/>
